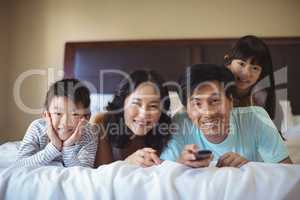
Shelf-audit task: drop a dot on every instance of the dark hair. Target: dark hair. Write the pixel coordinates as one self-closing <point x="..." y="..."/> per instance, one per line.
<point x="200" y="73"/>
<point x="253" y="48"/>
<point x="156" y="138"/>
<point x="70" y="88"/>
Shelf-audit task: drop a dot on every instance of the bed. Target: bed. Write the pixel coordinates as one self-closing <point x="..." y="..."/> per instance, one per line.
<point x="170" y="180"/>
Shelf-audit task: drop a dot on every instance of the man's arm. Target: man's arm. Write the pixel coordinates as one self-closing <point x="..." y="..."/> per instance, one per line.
<point x="287" y="161"/>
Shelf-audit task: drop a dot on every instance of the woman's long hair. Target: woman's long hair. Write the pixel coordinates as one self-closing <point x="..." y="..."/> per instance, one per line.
<point x="157" y="138"/>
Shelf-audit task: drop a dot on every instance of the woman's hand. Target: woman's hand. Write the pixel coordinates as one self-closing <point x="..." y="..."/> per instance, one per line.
<point x="188" y="157"/>
<point x="231" y="160"/>
<point x="145" y="157"/>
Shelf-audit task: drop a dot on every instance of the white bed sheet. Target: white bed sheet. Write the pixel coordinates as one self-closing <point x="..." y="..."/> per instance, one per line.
<point x="169" y="180"/>
<point x="8" y="153"/>
<point x="293" y="142"/>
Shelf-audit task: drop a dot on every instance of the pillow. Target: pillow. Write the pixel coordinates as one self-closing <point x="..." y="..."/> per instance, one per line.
<point x="288" y="118"/>
<point x="293" y="146"/>
<point x="99" y="102"/>
<point x="8" y="153"/>
<point x="176" y="105"/>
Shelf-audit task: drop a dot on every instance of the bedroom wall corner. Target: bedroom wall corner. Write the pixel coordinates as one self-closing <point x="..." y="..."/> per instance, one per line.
<point x="4" y="32"/>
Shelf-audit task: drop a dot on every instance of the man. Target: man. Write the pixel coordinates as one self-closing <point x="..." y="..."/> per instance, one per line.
<point x="234" y="135"/>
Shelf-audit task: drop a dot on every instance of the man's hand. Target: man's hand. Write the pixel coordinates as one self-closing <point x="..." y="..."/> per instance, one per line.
<point x="231" y="160"/>
<point x="188" y="157"/>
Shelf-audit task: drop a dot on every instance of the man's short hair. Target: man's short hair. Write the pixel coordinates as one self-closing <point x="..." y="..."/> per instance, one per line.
<point x="201" y="73"/>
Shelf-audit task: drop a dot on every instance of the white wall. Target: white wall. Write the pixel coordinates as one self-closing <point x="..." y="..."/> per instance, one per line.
<point x="3" y="67"/>
<point x="40" y="28"/>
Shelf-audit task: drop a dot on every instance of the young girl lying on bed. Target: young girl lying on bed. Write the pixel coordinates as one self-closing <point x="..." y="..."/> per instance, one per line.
<point x="61" y="135"/>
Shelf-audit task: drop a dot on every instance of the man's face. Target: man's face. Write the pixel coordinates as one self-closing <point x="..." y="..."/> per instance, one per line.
<point x="209" y="109"/>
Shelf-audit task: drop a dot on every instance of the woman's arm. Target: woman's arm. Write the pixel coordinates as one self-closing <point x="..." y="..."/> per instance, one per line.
<point x="104" y="151"/>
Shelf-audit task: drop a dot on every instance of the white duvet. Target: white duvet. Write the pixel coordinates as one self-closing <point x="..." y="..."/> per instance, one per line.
<point x="169" y="180"/>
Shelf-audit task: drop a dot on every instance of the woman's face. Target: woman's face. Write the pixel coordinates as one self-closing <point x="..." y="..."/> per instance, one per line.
<point x="245" y="73"/>
<point x="142" y="108"/>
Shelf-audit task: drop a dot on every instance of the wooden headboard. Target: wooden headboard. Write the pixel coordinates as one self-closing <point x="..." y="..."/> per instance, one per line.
<point x="90" y="61"/>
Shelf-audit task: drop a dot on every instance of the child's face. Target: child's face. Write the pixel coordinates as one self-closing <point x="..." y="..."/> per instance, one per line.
<point x="65" y="116"/>
<point x="142" y="109"/>
<point x="245" y="73"/>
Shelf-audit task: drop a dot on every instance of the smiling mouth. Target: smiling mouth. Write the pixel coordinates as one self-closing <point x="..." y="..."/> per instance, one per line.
<point x="243" y="81"/>
<point x="214" y="127"/>
<point x="141" y="123"/>
<point x="209" y="124"/>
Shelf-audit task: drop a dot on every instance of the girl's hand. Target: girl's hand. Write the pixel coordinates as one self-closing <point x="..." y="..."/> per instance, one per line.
<point x="188" y="157"/>
<point x="231" y="160"/>
<point x="75" y="137"/>
<point x="145" y="157"/>
<point x="54" y="139"/>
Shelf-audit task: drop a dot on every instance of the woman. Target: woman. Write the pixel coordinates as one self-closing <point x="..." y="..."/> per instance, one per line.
<point x="250" y="62"/>
<point x="135" y="127"/>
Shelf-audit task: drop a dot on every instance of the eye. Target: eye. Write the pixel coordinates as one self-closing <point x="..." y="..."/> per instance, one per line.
<point x="196" y="102"/>
<point x="57" y="114"/>
<point x="154" y="106"/>
<point x="136" y="103"/>
<point x="256" y="68"/>
<point x="75" y="114"/>
<point x="242" y="64"/>
<point x="215" y="101"/>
